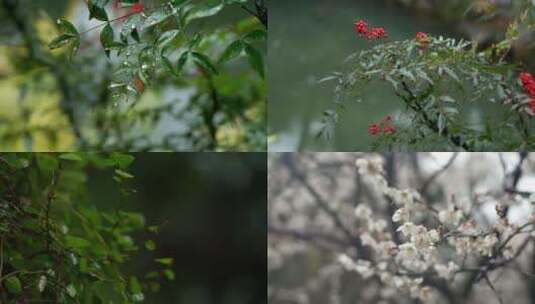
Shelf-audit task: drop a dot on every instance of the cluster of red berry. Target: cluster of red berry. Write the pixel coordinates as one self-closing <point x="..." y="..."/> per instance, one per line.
<point x="361" y="28"/>
<point x="384" y="126"/>
<point x="529" y="86"/>
<point x="423" y="40"/>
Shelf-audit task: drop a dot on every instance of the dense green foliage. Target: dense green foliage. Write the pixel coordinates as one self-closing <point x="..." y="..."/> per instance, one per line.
<point x="437" y="79"/>
<point x="56" y="245"/>
<point x="143" y="75"/>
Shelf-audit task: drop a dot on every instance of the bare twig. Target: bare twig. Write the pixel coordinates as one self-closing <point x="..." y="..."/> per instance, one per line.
<point x="436" y="174"/>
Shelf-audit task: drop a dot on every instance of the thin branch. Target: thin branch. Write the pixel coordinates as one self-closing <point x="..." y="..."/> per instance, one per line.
<point x="436" y="174"/>
<point x="308" y="236"/>
<point x="493" y="289"/>
<point x="324" y="206"/>
<point x="412" y="102"/>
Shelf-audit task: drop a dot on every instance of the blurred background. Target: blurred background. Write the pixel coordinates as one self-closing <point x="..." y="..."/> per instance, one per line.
<point x="311" y="38"/>
<point x="212" y="213"/>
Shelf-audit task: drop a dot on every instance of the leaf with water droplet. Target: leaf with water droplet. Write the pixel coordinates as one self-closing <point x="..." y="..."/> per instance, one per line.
<point x="61" y="41"/>
<point x="106" y="39"/>
<point x="156" y="17"/>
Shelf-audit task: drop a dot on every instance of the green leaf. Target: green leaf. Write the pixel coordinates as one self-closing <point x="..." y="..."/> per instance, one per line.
<point x="167" y="37"/>
<point x="67" y="27"/>
<point x="168" y="65"/>
<point x="150" y="245"/>
<point x="123" y="174"/>
<point x="133" y="220"/>
<point x="165" y="261"/>
<point x="155" y="18"/>
<point x="169" y="274"/>
<point x="135" y="287"/>
<point x="76" y="242"/>
<point x="108" y="293"/>
<point x="97" y="11"/>
<point x="13" y="285"/>
<point x="451" y="73"/>
<point x="232" y="51"/>
<point x="135" y="35"/>
<point x="254" y="36"/>
<point x="255" y="59"/>
<point x="71" y="157"/>
<point x="446" y="98"/>
<point x="204" y="11"/>
<point x="182" y="61"/>
<point x="204" y="62"/>
<point x="122" y="160"/>
<point x="106" y="38"/>
<point x="61" y="41"/>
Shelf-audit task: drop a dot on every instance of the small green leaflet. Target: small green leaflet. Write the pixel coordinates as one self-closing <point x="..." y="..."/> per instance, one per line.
<point x="69" y="36"/>
<point x="256" y="35"/>
<point x="96" y="9"/>
<point x="106" y="39"/>
<point x="255" y="59"/>
<point x="13" y="285"/>
<point x="204" y="62"/>
<point x="232" y="51"/>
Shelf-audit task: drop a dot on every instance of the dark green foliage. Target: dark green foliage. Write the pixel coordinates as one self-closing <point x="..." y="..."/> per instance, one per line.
<point x="55" y="245"/>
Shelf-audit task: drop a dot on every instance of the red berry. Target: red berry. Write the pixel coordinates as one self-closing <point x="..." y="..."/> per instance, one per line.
<point x="138" y="8"/>
<point x="374" y="129"/>
<point x="529" y="83"/>
<point x="389" y="130"/>
<point x="421" y="36"/>
<point x="361" y="27"/>
<point x="423" y="40"/>
<point x="376" y="33"/>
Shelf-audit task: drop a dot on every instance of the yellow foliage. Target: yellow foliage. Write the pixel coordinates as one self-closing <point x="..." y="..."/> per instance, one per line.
<point x="44" y="113"/>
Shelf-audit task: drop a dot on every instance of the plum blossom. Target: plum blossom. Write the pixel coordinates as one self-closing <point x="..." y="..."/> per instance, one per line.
<point x="451" y="216"/>
<point x="446" y="271"/>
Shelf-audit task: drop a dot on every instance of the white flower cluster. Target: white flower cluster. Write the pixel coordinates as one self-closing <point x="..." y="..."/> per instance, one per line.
<point x="416" y="253"/>
<point x="451" y="217"/>
<point x="411" y="286"/>
<point x="410" y="245"/>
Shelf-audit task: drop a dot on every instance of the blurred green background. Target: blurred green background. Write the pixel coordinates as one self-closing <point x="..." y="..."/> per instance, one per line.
<point x="212" y="212"/>
<point x="308" y="39"/>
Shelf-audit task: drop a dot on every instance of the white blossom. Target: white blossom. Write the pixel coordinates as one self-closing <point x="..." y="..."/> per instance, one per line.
<point x="401" y="215"/>
<point x="451" y="216"/>
<point x="362" y="267"/>
<point x="363" y="212"/>
<point x="486" y="245"/>
<point x="407" y="251"/>
<point x="368" y="240"/>
<point x="372" y="167"/>
<point x="446" y="271"/>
